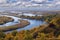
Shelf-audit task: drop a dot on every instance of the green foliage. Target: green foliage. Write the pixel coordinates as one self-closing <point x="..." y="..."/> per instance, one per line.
<point x="2" y="34"/>
<point x="16" y="38"/>
<point x="1" y="38"/>
<point x="10" y="38"/>
<point x="36" y="17"/>
<point x="28" y="36"/>
<point x="14" y="33"/>
<point x="56" y="21"/>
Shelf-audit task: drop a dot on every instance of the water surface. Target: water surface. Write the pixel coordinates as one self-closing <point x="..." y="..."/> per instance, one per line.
<point x="33" y="23"/>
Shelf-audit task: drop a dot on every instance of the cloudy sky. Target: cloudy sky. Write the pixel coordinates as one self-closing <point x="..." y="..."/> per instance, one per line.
<point x="9" y="4"/>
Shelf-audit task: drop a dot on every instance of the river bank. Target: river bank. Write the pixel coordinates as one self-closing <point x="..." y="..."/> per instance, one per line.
<point x="31" y="24"/>
<point x="32" y="17"/>
<point x="22" y="24"/>
<point x="4" y="20"/>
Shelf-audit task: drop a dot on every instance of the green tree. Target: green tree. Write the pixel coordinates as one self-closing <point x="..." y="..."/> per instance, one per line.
<point x="28" y="36"/>
<point x="14" y="33"/>
<point x="2" y="34"/>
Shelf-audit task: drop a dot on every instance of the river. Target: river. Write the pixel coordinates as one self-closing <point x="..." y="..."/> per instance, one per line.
<point x="33" y="23"/>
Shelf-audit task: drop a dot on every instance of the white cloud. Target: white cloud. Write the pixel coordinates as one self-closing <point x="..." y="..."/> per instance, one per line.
<point x="39" y="0"/>
<point x="25" y="3"/>
<point x="58" y="2"/>
<point x="2" y="1"/>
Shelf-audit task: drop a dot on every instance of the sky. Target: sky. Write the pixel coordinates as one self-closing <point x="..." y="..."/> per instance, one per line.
<point x="18" y="4"/>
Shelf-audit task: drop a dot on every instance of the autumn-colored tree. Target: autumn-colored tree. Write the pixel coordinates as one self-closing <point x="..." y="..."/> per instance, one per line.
<point x="2" y="34"/>
<point x="14" y="33"/>
<point x="56" y="21"/>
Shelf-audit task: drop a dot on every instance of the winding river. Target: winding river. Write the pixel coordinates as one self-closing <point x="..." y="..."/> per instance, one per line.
<point x="16" y="21"/>
<point x="33" y="23"/>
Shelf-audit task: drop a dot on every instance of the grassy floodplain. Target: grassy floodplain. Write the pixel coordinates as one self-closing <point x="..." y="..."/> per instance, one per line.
<point x="4" y="19"/>
<point x="22" y="24"/>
